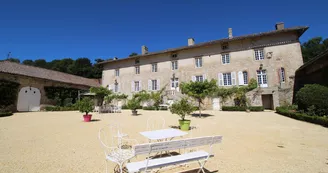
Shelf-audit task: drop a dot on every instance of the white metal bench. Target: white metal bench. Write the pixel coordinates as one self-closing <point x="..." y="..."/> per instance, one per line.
<point x="200" y="156"/>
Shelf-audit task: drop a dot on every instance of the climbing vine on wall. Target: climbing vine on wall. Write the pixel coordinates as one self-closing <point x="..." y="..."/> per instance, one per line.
<point x="62" y="95"/>
<point x="8" y="91"/>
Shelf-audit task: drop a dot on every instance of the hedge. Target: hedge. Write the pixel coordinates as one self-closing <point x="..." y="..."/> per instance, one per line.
<point x="58" y="108"/>
<point x="126" y="107"/>
<point x="152" y="108"/>
<point x="5" y="114"/>
<point x="321" y="120"/>
<point x="239" y="108"/>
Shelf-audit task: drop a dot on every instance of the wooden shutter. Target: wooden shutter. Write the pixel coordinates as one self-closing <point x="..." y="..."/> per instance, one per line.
<point x="233" y="78"/>
<point x="204" y="77"/>
<point x="241" y="78"/>
<point x="140" y="86"/>
<point x="158" y="84"/>
<point x="109" y="87"/>
<point x="279" y="75"/>
<point x="132" y="86"/>
<point x="220" y="76"/>
<point x="149" y="85"/>
<point x="193" y="78"/>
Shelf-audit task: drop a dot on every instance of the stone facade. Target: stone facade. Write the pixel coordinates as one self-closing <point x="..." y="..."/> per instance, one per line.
<point x="281" y="50"/>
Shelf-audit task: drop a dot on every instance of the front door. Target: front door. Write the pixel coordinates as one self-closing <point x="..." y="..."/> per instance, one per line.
<point x="267" y="101"/>
<point x="29" y="99"/>
<point x="216" y="103"/>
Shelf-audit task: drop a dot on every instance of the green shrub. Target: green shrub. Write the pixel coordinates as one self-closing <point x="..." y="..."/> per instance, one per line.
<point x="8" y="90"/>
<point x="321" y="120"/>
<point x="85" y="105"/>
<point x="182" y="108"/>
<point x="233" y="108"/>
<point x="256" y="108"/>
<point x="58" y="108"/>
<point x="313" y="95"/>
<point x="152" y="108"/>
<point x="126" y="107"/>
<point x="5" y="114"/>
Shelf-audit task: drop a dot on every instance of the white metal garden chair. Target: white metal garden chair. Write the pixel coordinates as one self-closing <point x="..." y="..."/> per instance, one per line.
<point x="117" y="148"/>
<point x="155" y="122"/>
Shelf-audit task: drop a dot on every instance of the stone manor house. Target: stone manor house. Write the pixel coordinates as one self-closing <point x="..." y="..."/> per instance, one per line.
<point x="269" y="57"/>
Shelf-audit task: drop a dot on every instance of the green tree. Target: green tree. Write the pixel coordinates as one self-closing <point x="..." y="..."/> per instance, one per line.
<point x="199" y="90"/>
<point x="82" y="67"/>
<point x="157" y="97"/>
<point x="100" y="93"/>
<point x="28" y="62"/>
<point x="13" y="60"/>
<point x="41" y="63"/>
<point x="313" y="47"/>
<point x="182" y="108"/>
<point x="97" y="69"/>
<point x="133" y="54"/>
<point x="62" y="65"/>
<point x="85" y="105"/>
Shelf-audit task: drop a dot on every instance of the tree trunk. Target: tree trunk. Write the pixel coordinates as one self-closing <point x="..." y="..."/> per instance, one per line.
<point x="200" y="112"/>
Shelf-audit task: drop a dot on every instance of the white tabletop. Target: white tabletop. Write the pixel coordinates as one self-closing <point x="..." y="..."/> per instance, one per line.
<point x="163" y="134"/>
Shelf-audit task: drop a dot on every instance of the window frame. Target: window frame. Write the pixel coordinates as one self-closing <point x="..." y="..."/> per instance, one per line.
<point x="175" y="83"/>
<point x="135" y="69"/>
<point x="257" y="52"/>
<point x="245" y="80"/>
<point x="199" y="77"/>
<point x="282" y="75"/>
<point x="154" y="67"/>
<point x="154" y="87"/>
<point x="136" y="85"/>
<point x="224" y="58"/>
<point x="198" y="62"/>
<point x="263" y="76"/>
<point x="174" y="65"/>
<point x="226" y="79"/>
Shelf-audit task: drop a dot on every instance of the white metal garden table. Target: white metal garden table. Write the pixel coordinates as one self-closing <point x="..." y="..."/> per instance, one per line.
<point x="163" y="134"/>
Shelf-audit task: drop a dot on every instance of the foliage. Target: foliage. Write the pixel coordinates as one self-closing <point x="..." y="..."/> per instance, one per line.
<point x="28" y="62"/>
<point x="126" y="107"/>
<point x="157" y="97"/>
<point x="243" y="108"/>
<point x="8" y="90"/>
<point x="100" y="93"/>
<point x="61" y="95"/>
<point x="313" y="47"/>
<point x="5" y="114"/>
<point x="141" y="96"/>
<point x="13" y="60"/>
<point x="133" y="54"/>
<point x="41" y="63"/>
<point x="133" y="104"/>
<point x="199" y="90"/>
<point x="59" y="108"/>
<point x="151" y="108"/>
<point x="85" y="105"/>
<point x="313" y="98"/>
<point x="182" y="108"/>
<point x="111" y="97"/>
<point x="285" y="111"/>
<point x="256" y="108"/>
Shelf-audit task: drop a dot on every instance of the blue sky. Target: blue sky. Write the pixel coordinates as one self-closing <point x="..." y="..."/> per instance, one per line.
<point x="56" y="29"/>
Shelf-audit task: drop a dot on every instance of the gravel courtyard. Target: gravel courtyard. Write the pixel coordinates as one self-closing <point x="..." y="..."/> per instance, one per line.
<point x="39" y="142"/>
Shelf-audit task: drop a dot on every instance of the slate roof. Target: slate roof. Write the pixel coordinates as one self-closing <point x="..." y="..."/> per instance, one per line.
<point x="299" y="29"/>
<point x="37" y="72"/>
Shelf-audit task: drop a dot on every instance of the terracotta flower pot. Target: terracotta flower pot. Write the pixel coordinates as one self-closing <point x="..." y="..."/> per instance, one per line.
<point x="87" y="118"/>
<point x="134" y="112"/>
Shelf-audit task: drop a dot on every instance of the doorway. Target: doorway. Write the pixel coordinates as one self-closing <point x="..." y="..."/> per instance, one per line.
<point x="216" y="103"/>
<point x="29" y="99"/>
<point x="267" y="101"/>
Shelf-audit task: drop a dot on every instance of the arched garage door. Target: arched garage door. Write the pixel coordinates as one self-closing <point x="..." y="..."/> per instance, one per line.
<point x="29" y="99"/>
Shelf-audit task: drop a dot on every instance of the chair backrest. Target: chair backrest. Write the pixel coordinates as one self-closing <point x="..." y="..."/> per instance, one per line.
<point x="109" y="136"/>
<point x="176" y="144"/>
<point x="155" y="122"/>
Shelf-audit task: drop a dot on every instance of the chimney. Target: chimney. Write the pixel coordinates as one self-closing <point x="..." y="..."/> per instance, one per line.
<point x="115" y="58"/>
<point x="280" y="26"/>
<point x="191" y="41"/>
<point x="230" y="32"/>
<point x="144" y="50"/>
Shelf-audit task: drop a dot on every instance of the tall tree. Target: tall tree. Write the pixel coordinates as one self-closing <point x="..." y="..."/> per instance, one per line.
<point x="199" y="90"/>
<point x="313" y="47"/>
<point x="97" y="68"/>
<point x="133" y="54"/>
<point x="13" y="60"/>
<point x="41" y="63"/>
<point x="62" y="65"/>
<point x="28" y="62"/>
<point x="82" y="67"/>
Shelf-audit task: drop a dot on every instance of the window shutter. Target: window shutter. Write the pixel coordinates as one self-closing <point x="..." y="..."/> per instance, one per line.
<point x="118" y="87"/>
<point x="193" y="78"/>
<point x="140" y="86"/>
<point x="158" y="84"/>
<point x="149" y="85"/>
<point x="241" y="78"/>
<point x="204" y="77"/>
<point x="109" y="87"/>
<point x="220" y="76"/>
<point x="279" y="75"/>
<point x="132" y="86"/>
<point x="233" y="78"/>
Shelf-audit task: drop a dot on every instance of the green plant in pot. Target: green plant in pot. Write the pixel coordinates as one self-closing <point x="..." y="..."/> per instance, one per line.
<point x="86" y="105"/>
<point x="133" y="104"/>
<point x="182" y="108"/>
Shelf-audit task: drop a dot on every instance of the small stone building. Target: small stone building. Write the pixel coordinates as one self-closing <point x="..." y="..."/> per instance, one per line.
<point x="31" y="93"/>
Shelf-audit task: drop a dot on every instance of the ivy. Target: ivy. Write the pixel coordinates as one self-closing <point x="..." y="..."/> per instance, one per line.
<point x="62" y="95"/>
<point x="9" y="91"/>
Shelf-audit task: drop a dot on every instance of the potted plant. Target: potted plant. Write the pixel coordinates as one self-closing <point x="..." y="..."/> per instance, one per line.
<point x="182" y="108"/>
<point x="86" y="105"/>
<point x="133" y="104"/>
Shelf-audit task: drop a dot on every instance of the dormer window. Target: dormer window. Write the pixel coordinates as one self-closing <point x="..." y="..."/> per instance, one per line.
<point x="137" y="61"/>
<point x="224" y="46"/>
<point x="174" y="55"/>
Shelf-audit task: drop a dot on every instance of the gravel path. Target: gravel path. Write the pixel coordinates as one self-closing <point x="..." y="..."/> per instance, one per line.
<point x="51" y="142"/>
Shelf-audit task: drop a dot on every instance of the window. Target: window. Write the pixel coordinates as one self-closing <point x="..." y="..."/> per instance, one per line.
<point x="225" y="59"/>
<point x="262" y="78"/>
<point x="227" y="79"/>
<point x="245" y="77"/>
<point x="174" y="65"/>
<point x="174" y="83"/>
<point x="117" y="72"/>
<point x="137" y="68"/>
<point x="136" y="61"/>
<point x="174" y="55"/>
<point x="224" y="46"/>
<point x="259" y="55"/>
<point x="154" y="67"/>
<point x="199" y="78"/>
<point x="116" y="87"/>
<point x="136" y="86"/>
<point x="154" y="85"/>
<point x="282" y="75"/>
<point x="199" y="62"/>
